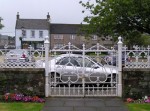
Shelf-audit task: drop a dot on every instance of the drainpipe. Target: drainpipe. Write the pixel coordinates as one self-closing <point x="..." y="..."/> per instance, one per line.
<point x="119" y="67"/>
<point x="46" y="45"/>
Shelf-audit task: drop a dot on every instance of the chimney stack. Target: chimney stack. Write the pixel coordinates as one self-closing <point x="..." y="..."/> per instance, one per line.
<point x="18" y="15"/>
<point x="48" y="17"/>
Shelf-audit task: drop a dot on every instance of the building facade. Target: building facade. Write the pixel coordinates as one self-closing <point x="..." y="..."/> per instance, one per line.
<point x="62" y="34"/>
<point x="33" y="31"/>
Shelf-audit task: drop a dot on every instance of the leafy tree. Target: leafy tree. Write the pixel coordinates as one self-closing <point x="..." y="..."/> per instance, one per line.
<point x="1" y="26"/>
<point x="146" y="39"/>
<point x="127" y="18"/>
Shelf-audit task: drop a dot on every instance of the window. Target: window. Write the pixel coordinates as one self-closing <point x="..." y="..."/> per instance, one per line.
<point x="58" y="45"/>
<point x="58" y="36"/>
<point x="94" y="37"/>
<point x="23" y="33"/>
<point x="87" y="62"/>
<point x="32" y="33"/>
<point x="41" y="34"/>
<point x="72" y="37"/>
<point x="68" y="61"/>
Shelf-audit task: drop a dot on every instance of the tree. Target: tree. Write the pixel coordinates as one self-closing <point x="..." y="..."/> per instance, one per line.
<point x="126" y="18"/>
<point x="1" y="26"/>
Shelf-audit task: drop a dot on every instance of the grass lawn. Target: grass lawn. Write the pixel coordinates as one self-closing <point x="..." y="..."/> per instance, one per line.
<point x="138" y="107"/>
<point x="18" y="106"/>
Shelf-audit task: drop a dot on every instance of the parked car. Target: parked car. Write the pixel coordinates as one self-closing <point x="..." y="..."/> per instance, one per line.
<point x="17" y="55"/>
<point x="70" y="67"/>
<point x="112" y="59"/>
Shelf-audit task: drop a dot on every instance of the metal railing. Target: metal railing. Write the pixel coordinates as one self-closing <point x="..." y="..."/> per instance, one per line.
<point x="135" y="58"/>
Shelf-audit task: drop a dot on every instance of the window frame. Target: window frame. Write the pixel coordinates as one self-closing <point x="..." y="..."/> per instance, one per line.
<point x="32" y="33"/>
<point x="40" y="34"/>
<point x="58" y="37"/>
<point x="72" y="37"/>
<point x="94" y="37"/>
<point x="24" y="33"/>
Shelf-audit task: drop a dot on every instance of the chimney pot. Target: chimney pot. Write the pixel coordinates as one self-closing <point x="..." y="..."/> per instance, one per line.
<point x="18" y="15"/>
<point x="48" y="16"/>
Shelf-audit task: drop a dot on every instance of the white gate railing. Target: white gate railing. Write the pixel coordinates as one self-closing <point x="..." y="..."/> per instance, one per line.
<point x="72" y="74"/>
<point x="138" y="57"/>
<point x="86" y="79"/>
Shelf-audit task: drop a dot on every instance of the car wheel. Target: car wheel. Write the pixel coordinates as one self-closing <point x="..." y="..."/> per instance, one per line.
<point x="111" y="81"/>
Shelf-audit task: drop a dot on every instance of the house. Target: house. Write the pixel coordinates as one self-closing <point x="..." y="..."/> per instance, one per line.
<point x="62" y="34"/>
<point x="7" y="42"/>
<point x="33" y="31"/>
<point x="3" y="40"/>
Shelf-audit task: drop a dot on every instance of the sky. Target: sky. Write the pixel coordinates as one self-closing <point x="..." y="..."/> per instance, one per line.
<point x="61" y="11"/>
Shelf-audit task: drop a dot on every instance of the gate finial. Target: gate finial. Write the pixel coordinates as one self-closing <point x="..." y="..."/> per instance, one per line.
<point x="120" y="40"/>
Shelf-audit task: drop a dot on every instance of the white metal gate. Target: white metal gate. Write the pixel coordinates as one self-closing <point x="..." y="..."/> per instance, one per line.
<point x="81" y="72"/>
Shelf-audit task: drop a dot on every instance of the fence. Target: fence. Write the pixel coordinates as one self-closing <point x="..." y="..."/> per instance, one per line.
<point x="70" y="74"/>
<point x="139" y="57"/>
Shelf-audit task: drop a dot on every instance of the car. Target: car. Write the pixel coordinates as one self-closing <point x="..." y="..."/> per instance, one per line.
<point x="112" y="59"/>
<point x="70" y="68"/>
<point x="17" y="55"/>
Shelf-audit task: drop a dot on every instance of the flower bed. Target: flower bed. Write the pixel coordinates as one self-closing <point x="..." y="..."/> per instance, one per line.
<point x="10" y="97"/>
<point x="145" y="99"/>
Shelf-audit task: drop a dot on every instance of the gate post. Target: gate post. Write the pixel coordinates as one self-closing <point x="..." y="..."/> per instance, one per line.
<point x="83" y="70"/>
<point x="46" y="45"/>
<point x="119" y="67"/>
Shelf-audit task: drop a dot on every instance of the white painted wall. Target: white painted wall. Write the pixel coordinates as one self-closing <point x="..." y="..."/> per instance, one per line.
<point x="28" y="36"/>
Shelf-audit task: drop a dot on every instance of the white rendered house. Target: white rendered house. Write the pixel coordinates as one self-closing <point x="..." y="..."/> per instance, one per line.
<point x="31" y="32"/>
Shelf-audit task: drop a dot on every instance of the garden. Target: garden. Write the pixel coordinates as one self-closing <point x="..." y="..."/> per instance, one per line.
<point x="136" y="91"/>
<point x="20" y="102"/>
<point x="21" y="91"/>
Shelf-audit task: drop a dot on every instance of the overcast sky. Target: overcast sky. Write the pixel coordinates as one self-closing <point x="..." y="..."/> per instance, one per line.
<point x="61" y="11"/>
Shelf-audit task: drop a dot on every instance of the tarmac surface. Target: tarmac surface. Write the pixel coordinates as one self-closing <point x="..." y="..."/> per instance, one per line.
<point x="85" y="104"/>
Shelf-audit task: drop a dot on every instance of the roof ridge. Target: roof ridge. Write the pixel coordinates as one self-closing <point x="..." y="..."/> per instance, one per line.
<point x="32" y="19"/>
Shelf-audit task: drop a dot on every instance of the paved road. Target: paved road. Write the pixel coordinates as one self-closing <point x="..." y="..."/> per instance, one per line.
<point x="85" y="104"/>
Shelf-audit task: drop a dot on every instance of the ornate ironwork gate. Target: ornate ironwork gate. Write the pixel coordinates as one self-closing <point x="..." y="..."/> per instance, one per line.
<point x="82" y="74"/>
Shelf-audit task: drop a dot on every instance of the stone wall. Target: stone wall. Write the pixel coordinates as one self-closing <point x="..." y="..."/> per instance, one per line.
<point x="26" y="81"/>
<point x="136" y="84"/>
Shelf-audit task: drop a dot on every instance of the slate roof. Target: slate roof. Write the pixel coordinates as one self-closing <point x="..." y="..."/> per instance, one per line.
<point x="65" y="28"/>
<point x="32" y="24"/>
<point x="55" y="28"/>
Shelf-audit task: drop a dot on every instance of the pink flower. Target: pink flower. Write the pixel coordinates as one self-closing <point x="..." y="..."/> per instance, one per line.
<point x="129" y="100"/>
<point x="147" y="101"/>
